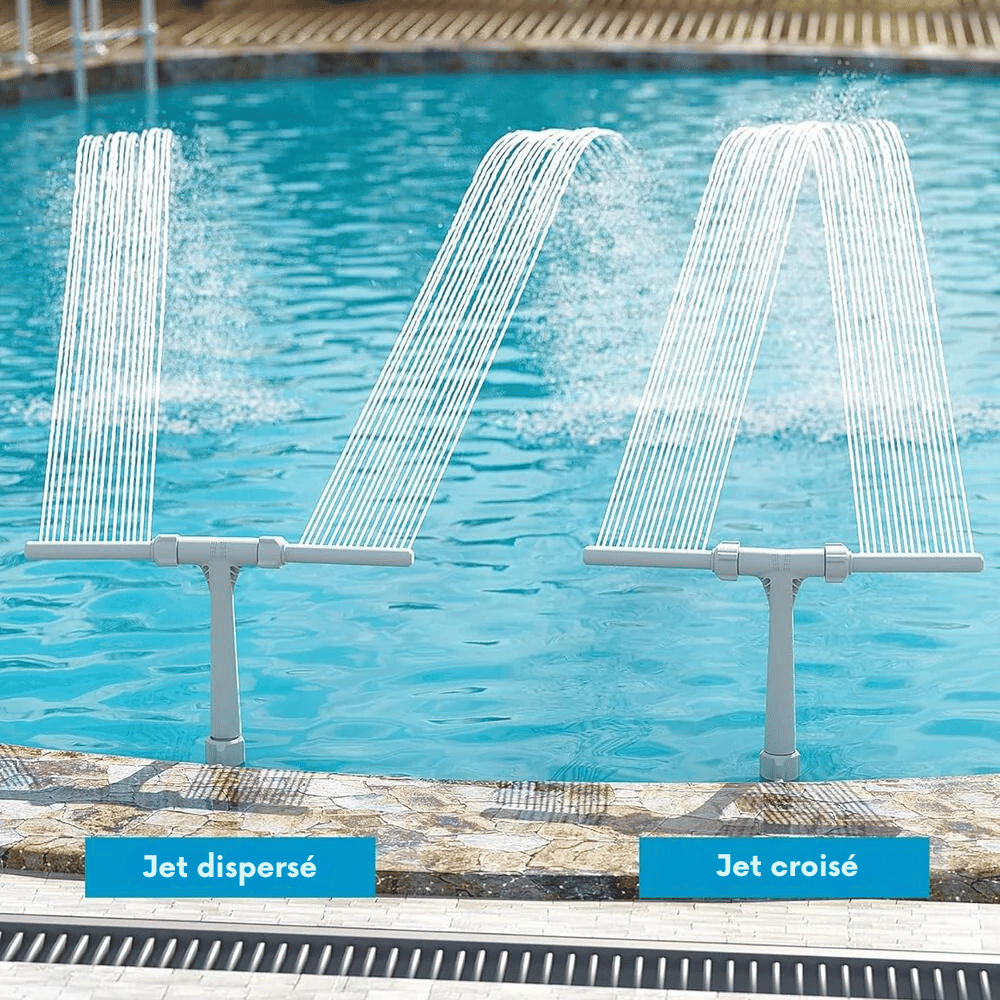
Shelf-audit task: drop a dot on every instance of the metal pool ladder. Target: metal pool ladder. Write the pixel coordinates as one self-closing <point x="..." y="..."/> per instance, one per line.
<point x="98" y="492"/>
<point x="909" y="495"/>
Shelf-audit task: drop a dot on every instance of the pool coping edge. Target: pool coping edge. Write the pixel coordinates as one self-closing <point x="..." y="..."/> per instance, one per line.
<point x="537" y="840"/>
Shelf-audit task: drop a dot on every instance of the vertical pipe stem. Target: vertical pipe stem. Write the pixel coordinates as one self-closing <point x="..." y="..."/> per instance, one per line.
<point x="779" y="760"/>
<point x="94" y="25"/>
<point x="149" y="29"/>
<point x="225" y="745"/>
<point x="24" y="56"/>
<point x="79" y="64"/>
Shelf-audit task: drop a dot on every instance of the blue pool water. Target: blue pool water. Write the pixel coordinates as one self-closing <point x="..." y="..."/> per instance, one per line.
<point x="306" y="215"/>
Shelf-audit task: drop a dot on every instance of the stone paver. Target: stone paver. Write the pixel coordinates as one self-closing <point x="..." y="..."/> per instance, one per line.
<point x="453" y="838"/>
<point x="956" y="928"/>
<point x="838" y="926"/>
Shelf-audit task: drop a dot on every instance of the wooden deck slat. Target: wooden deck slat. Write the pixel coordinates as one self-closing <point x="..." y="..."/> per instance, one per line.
<point x="705" y="26"/>
<point x="884" y="29"/>
<point x="616" y="25"/>
<point x="812" y="31"/>
<point x="976" y="29"/>
<point x="387" y="25"/>
<point x="968" y="28"/>
<point x="722" y="28"/>
<point x="597" y="26"/>
<point x="318" y="30"/>
<point x="359" y="27"/>
<point x="777" y="24"/>
<point x="922" y="30"/>
<point x="195" y="35"/>
<point x="903" y="24"/>
<point x="651" y="28"/>
<point x="472" y="26"/>
<point x="992" y="22"/>
<point x="830" y="33"/>
<point x="940" y="28"/>
<point x="527" y="26"/>
<point x="742" y="26"/>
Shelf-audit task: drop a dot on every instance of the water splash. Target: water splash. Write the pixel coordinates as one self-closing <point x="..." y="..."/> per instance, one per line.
<point x="208" y="380"/>
<point x="590" y="318"/>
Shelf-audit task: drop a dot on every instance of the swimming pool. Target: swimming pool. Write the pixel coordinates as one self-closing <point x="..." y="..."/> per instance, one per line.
<point x="306" y="216"/>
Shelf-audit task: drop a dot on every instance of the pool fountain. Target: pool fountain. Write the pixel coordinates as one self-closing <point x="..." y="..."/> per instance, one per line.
<point x="909" y="494"/>
<point x="98" y="496"/>
<point x="299" y="242"/>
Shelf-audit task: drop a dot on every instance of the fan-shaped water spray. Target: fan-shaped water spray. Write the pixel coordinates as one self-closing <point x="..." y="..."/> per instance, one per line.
<point x="102" y="445"/>
<point x="909" y="496"/>
<point x="97" y="501"/>
<point x="397" y="452"/>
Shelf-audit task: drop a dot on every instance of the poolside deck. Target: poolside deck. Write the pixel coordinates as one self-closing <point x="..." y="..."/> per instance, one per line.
<point x="219" y="39"/>
<point x="550" y="862"/>
<point x="499" y="840"/>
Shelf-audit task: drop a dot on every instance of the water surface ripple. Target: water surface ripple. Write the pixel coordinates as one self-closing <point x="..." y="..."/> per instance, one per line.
<point x="305" y="217"/>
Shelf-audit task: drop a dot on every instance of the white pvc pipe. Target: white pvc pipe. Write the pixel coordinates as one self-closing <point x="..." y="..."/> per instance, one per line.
<point x="768" y="563"/>
<point x="779" y="760"/>
<point x="24" y="56"/>
<point x="806" y="562"/>
<point x="781" y="571"/>
<point x="606" y="555"/>
<point x="148" y="30"/>
<point x="94" y="22"/>
<point x="347" y="556"/>
<point x="919" y="562"/>
<point x="88" y="550"/>
<point x="94" y="25"/>
<point x="194" y="550"/>
<point x="95" y="36"/>
<point x="79" y="64"/>
<point x="225" y="745"/>
<point x="232" y="551"/>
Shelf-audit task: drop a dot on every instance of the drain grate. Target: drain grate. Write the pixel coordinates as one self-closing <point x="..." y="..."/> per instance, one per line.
<point x="511" y="960"/>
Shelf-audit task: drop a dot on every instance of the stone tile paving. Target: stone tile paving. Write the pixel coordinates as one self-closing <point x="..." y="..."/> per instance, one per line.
<point x="953" y="929"/>
<point x="514" y="840"/>
<point x="31" y="982"/>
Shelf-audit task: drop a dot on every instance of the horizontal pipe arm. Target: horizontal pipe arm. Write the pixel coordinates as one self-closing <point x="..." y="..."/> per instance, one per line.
<point x="605" y="555"/>
<point x="347" y="556"/>
<point x="916" y="562"/>
<point x="88" y="550"/>
<point x="175" y="550"/>
<point x="835" y="562"/>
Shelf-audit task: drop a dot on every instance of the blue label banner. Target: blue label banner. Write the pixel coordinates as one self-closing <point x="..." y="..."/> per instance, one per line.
<point x="243" y="867"/>
<point x="784" y="867"/>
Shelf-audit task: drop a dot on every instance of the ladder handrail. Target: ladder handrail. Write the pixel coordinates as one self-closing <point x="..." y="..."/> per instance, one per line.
<point x="96" y="35"/>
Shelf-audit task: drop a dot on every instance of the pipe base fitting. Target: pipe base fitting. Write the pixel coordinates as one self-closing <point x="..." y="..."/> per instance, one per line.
<point x="779" y="766"/>
<point x="229" y="752"/>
